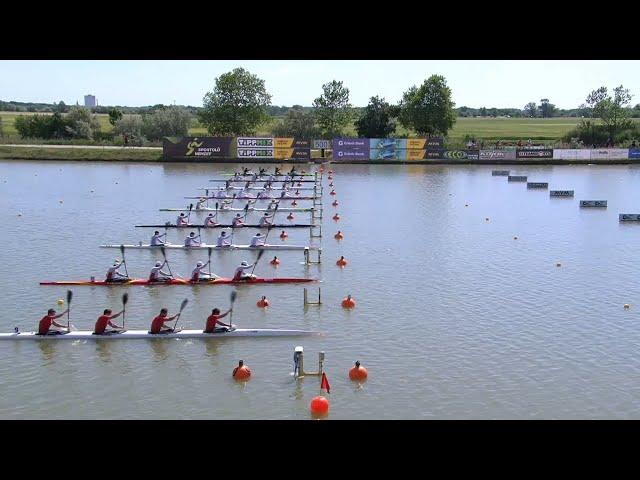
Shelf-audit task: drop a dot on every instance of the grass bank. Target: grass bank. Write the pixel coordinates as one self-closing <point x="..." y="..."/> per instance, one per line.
<point x="80" y="154"/>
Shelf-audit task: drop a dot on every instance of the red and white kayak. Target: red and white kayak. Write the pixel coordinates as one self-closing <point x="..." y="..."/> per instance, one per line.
<point x="181" y="281"/>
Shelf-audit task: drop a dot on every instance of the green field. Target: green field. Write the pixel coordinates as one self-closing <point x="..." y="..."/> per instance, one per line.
<point x="487" y="129"/>
<point x="80" y="154"/>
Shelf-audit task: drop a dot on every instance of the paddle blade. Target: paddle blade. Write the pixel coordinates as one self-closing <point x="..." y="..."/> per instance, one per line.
<point x="190" y="206"/>
<point x="216" y="205"/>
<point x="122" y="251"/>
<point x="183" y="304"/>
<point x="260" y="253"/>
<point x="209" y="250"/>
<point x="69" y="297"/>
<point x="125" y="298"/>
<point x="234" y="294"/>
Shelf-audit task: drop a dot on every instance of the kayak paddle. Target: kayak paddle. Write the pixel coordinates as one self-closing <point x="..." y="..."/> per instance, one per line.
<point x="260" y="253"/>
<point x="182" y="305"/>
<point x="209" y="262"/>
<point x="164" y="254"/>
<point x="189" y="214"/>
<point x="123" y="261"/>
<point x="69" y="297"/>
<point x="125" y="299"/>
<point x="232" y="300"/>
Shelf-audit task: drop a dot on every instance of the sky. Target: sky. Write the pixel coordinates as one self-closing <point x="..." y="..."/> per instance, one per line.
<point x="474" y="83"/>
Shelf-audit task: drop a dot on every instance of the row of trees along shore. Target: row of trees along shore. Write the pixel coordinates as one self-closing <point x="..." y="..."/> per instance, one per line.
<point x="240" y="105"/>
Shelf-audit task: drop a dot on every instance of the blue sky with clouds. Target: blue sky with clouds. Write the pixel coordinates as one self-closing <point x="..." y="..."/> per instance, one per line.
<point x="475" y="83"/>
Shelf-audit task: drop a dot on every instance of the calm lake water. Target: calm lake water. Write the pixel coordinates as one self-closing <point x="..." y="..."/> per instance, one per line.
<point x="454" y="318"/>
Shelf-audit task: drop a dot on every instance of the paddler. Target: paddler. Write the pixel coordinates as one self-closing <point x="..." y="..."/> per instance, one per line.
<point x="214" y="319"/>
<point x="245" y="171"/>
<point x="273" y="205"/>
<point x="263" y="195"/>
<point x="210" y="221"/>
<point x="197" y="275"/>
<point x="113" y="275"/>
<point x="49" y="326"/>
<point x="265" y="220"/>
<point x="182" y="220"/>
<point x="155" y="239"/>
<point x="104" y="321"/>
<point x="158" y="323"/>
<point x="237" y="221"/>
<point x="158" y="275"/>
<point x="240" y="275"/>
<point x="201" y="203"/>
<point x="258" y="240"/>
<point x="223" y="240"/>
<point x="192" y="240"/>
<point x="221" y="193"/>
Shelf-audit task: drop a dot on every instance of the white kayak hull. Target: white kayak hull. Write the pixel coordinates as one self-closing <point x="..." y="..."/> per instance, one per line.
<point x="222" y="210"/>
<point x="240" y="187"/>
<point x="205" y="247"/>
<point x="138" y="334"/>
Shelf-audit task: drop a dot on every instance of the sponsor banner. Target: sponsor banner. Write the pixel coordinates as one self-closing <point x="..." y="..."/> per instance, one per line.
<point x="197" y="147"/>
<point x="629" y="217"/>
<point x="561" y="193"/>
<point x="350" y="154"/>
<point x="252" y="142"/>
<point x="416" y="143"/>
<point x="537" y="185"/>
<point x="462" y="154"/>
<point x="634" y="153"/>
<point x="610" y="154"/>
<point x="416" y="154"/>
<point x="388" y="143"/>
<point x="351" y="144"/>
<point x="499" y="173"/>
<point x="291" y="143"/>
<point x="593" y="203"/>
<point x="296" y="153"/>
<point x="386" y="154"/>
<point x="320" y="144"/>
<point x="497" y="154"/>
<point x="517" y="178"/>
<point x="435" y="143"/>
<point x="571" y="154"/>
<point x="537" y="153"/>
<point x="434" y="154"/>
<point x="255" y="152"/>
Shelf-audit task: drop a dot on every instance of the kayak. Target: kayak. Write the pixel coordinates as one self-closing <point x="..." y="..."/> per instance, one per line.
<point x="250" y="209"/>
<point x="240" y="187"/>
<point x="291" y="197"/>
<point x="204" y="246"/>
<point x="251" y="174"/>
<point x="137" y="334"/>
<point x="180" y="281"/>
<point x="262" y="180"/>
<point x="227" y="225"/>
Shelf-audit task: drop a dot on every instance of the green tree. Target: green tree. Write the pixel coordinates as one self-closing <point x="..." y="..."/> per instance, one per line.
<point x="483" y="112"/>
<point x="1" y="130"/>
<point x="428" y="109"/>
<point x="114" y="115"/>
<point x="332" y="109"/>
<point x="547" y="110"/>
<point x="377" y="119"/>
<point x="237" y="105"/>
<point x="530" y="110"/>
<point x="612" y="111"/>
<point x="170" y="121"/>
<point x="60" y="107"/>
<point x="298" y="124"/>
<point x="81" y="123"/>
<point x="493" y="112"/>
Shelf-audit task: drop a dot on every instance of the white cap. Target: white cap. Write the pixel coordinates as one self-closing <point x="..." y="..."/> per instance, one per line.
<point x="158" y="264"/>
<point x="244" y="263"/>
<point x="199" y="264"/>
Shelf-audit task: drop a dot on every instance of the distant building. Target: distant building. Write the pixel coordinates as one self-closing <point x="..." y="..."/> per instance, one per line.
<point x="89" y="101"/>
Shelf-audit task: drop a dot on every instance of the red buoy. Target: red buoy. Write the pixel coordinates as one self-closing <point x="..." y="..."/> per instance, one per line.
<point x="319" y="406"/>
<point x="263" y="302"/>
<point x="330" y="172"/>
<point x="336" y="217"/>
<point x="348" y="302"/>
<point x="332" y="192"/>
<point x="358" y="373"/>
<point x="339" y="236"/>
<point x="341" y="262"/>
<point x="241" y="372"/>
<point x="334" y="203"/>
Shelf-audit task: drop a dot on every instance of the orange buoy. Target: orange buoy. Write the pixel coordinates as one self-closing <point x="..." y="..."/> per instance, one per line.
<point x="283" y="235"/>
<point x="348" y="302"/>
<point x="332" y="192"/>
<point x="335" y="203"/>
<point x="275" y="261"/>
<point x="341" y="262"/>
<point x="338" y="236"/>
<point x="241" y="372"/>
<point x="336" y="217"/>
<point x="321" y="169"/>
<point x="626" y="306"/>
<point x="358" y="373"/>
<point x="294" y="203"/>
<point x="319" y="406"/>
<point x="330" y="172"/>
<point x="263" y="302"/>
<point x="290" y="216"/>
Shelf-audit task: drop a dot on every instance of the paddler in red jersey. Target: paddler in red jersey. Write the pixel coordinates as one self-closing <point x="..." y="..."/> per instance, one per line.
<point x="44" y="327"/>
<point x="214" y="319"/>
<point x="104" y="321"/>
<point x="237" y="221"/>
<point x="158" y="323"/>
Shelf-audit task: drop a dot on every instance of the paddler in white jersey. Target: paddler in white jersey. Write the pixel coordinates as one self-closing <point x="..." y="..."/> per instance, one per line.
<point x="257" y="240"/>
<point x="272" y="205"/>
<point x="223" y="240"/>
<point x="264" y="220"/>
<point x="210" y="221"/>
<point x="155" y="239"/>
<point x="158" y="275"/>
<point x="221" y="193"/>
<point x="263" y="194"/>
<point x="182" y="219"/>
<point x="240" y="275"/>
<point x="113" y="275"/>
<point x="192" y="240"/>
<point x="237" y="221"/>
<point x="197" y="275"/>
<point x="202" y="203"/>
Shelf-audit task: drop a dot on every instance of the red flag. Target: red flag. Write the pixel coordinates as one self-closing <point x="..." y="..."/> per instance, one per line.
<point x="325" y="383"/>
